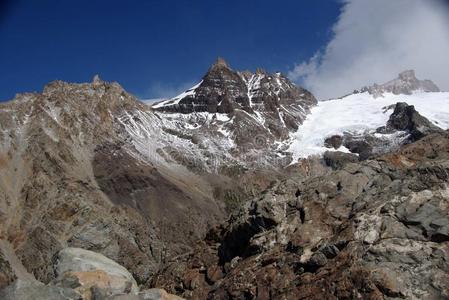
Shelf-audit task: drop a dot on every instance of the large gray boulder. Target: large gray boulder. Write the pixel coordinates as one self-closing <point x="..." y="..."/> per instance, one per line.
<point x="84" y="270"/>
<point x="337" y="159"/>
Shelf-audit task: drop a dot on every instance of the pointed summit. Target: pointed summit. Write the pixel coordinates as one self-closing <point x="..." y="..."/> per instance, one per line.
<point x="261" y="71"/>
<point x="220" y="63"/>
<point x="96" y="79"/>
<point x="406" y="84"/>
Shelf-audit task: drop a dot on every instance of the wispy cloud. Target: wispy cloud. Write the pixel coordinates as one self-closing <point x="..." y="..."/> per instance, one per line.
<point x="375" y="40"/>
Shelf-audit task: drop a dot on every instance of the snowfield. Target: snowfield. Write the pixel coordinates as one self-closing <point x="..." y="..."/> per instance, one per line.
<point x="358" y="113"/>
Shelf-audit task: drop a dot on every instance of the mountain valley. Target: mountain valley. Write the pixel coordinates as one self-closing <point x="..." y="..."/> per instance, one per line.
<point x="242" y="187"/>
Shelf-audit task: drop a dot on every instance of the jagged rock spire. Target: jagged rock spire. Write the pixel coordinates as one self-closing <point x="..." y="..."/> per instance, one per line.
<point x="96" y="79"/>
<point x="220" y="63"/>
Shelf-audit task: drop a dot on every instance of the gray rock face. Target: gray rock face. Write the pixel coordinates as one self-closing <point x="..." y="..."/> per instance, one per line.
<point x="56" y="193"/>
<point x="406" y="118"/>
<point x="405" y="84"/>
<point x="224" y="90"/>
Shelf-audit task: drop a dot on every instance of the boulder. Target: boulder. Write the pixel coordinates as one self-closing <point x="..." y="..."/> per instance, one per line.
<point x="334" y="141"/>
<point x="361" y="146"/>
<point x="84" y="270"/>
<point x="337" y="159"/>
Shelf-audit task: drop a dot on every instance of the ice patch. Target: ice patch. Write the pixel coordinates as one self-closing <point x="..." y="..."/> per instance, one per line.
<point x="222" y="117"/>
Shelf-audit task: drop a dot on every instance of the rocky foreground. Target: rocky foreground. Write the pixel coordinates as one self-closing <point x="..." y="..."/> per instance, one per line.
<point x="374" y="229"/>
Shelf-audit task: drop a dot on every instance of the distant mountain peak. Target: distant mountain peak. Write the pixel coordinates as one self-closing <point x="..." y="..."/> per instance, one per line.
<point x="406" y="83"/>
<point x="220" y="63"/>
<point x="408" y="75"/>
<point x="96" y="79"/>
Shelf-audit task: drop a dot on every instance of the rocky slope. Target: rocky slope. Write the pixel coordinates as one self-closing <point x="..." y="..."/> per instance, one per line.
<point x="375" y="229"/>
<point x="70" y="175"/>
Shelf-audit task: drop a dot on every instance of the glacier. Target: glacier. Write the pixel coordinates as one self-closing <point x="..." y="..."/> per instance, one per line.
<point x="359" y="113"/>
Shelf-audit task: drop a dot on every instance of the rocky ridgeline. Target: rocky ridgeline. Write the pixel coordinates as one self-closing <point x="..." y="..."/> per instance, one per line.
<point x="223" y="90"/>
<point x="405" y="84"/>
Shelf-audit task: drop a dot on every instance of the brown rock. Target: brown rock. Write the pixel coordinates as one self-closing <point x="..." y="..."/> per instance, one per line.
<point x="334" y="141"/>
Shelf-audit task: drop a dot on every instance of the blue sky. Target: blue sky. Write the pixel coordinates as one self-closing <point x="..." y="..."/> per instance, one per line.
<point x="154" y="48"/>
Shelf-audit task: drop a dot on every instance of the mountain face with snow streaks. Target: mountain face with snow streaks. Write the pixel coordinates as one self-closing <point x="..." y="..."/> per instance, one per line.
<point x="271" y="99"/>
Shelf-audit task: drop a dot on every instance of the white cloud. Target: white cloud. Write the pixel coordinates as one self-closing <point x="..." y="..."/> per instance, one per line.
<point x="374" y="40"/>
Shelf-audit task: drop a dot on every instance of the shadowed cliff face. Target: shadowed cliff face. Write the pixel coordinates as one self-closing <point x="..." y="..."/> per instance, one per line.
<point x="180" y="212"/>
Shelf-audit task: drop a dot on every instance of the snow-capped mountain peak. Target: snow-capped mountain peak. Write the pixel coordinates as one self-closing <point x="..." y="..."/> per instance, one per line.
<point x="406" y="83"/>
<point x="223" y="90"/>
<point x="240" y="107"/>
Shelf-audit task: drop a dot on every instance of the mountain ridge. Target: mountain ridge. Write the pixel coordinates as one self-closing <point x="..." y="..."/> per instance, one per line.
<point x="406" y="83"/>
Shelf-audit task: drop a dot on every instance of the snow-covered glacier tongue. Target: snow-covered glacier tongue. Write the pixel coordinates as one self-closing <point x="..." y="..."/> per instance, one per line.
<point x="363" y="112"/>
